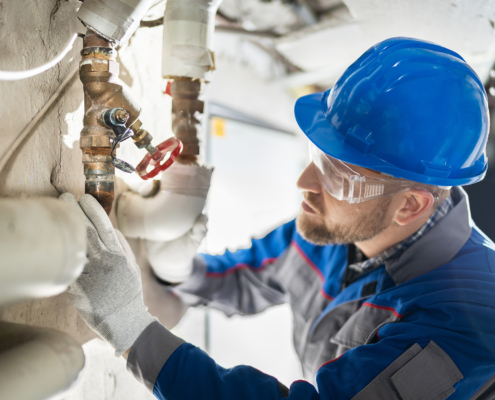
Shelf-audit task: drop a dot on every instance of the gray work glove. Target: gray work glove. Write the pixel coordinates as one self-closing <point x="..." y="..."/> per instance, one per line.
<point x="172" y="261"/>
<point x="108" y="294"/>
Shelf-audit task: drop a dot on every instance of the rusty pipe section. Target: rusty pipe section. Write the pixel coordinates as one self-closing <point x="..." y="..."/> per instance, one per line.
<point x="186" y="108"/>
<point x="98" y="72"/>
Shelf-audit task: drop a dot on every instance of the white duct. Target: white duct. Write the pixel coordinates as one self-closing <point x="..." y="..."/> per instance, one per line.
<point x="42" y="247"/>
<point x="37" y="363"/>
<point x="188" y="29"/>
<point x="172" y="211"/>
<point x="115" y="20"/>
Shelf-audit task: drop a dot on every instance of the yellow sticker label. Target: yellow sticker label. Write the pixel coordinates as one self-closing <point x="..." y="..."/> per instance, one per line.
<point x="217" y="126"/>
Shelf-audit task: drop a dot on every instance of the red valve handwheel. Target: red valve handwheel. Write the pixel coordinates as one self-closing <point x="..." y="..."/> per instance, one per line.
<point x="172" y="145"/>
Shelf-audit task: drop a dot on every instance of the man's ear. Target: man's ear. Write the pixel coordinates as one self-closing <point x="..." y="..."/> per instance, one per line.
<point x="414" y="204"/>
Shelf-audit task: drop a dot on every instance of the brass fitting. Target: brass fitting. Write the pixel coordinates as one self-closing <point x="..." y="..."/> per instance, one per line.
<point x="99" y="71"/>
<point x="185" y="109"/>
<point x="142" y="138"/>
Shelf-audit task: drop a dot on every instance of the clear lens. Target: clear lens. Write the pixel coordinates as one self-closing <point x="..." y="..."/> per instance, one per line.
<point x="343" y="183"/>
<point x="329" y="176"/>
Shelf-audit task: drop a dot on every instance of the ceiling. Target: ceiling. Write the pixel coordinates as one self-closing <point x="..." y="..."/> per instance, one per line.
<point x="318" y="39"/>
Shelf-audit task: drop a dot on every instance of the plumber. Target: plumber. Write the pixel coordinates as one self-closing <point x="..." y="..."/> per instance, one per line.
<point x="391" y="284"/>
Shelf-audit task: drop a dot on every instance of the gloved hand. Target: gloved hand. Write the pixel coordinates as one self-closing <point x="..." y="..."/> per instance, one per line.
<point x="108" y="294"/>
<point x="172" y="261"/>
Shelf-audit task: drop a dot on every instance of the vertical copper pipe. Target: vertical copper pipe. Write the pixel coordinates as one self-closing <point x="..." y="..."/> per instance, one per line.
<point x="98" y="72"/>
<point x="185" y="109"/>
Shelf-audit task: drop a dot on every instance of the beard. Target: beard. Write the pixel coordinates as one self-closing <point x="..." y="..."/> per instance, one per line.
<point x="365" y="227"/>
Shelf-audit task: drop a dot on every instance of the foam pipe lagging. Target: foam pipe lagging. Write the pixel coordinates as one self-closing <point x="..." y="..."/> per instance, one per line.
<point x="188" y="30"/>
<point x="43" y="248"/>
<point x="37" y="363"/>
<point x="113" y="20"/>
<point x="172" y="212"/>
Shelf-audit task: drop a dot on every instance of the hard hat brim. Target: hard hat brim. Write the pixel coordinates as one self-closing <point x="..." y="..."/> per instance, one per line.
<point x="310" y="116"/>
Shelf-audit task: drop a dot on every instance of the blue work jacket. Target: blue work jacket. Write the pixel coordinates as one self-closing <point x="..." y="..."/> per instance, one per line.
<point x="421" y="326"/>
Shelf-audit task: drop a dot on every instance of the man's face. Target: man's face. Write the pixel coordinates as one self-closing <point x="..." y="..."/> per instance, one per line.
<point x="325" y="220"/>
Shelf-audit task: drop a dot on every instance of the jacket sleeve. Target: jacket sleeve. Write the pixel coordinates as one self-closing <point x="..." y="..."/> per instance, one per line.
<point x="240" y="282"/>
<point x="417" y="358"/>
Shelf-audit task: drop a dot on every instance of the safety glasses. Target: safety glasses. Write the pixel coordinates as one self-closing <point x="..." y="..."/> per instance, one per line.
<point x="343" y="183"/>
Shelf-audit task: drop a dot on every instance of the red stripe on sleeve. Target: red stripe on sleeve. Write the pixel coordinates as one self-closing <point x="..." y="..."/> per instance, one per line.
<point x="384" y="308"/>
<point x="237" y="267"/>
<point x="331" y="361"/>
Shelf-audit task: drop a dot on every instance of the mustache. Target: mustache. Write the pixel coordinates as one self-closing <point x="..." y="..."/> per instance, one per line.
<point x="312" y="200"/>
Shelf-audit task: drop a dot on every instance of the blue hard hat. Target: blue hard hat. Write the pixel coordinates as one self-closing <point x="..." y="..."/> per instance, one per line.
<point x="408" y="108"/>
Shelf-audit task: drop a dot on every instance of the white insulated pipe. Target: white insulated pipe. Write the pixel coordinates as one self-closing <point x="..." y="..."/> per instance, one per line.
<point x="166" y="216"/>
<point x="171" y="213"/>
<point x="114" y="20"/>
<point x="42" y="247"/>
<point x="37" y="363"/>
<point x="188" y="30"/>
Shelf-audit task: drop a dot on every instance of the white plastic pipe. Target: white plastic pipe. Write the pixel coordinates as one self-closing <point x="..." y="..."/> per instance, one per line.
<point x="172" y="212"/>
<point x="188" y="30"/>
<point x="42" y="247"/>
<point x="37" y="363"/>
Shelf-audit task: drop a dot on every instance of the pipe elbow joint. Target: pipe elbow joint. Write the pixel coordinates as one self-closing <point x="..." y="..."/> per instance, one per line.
<point x="172" y="212"/>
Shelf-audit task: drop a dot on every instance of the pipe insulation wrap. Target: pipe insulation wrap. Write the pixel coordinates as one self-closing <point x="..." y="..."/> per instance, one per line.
<point x="188" y="29"/>
<point x="114" y="20"/>
<point x="172" y="212"/>
<point x="173" y="261"/>
<point x="43" y="247"/>
<point x="37" y="363"/>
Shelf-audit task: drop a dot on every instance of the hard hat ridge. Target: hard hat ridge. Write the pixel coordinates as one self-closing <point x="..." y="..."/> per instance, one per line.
<point x="408" y="108"/>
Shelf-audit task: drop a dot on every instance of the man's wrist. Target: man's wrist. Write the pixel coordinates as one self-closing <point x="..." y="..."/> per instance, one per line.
<point x="150" y="352"/>
<point x="122" y="328"/>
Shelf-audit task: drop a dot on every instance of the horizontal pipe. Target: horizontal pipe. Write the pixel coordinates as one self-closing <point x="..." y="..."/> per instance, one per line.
<point x="37" y="363"/>
<point x="43" y="248"/>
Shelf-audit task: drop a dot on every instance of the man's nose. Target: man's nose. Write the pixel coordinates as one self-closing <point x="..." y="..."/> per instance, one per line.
<point x="308" y="181"/>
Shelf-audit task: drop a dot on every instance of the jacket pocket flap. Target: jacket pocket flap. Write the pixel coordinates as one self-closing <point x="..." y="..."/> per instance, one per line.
<point x="429" y="375"/>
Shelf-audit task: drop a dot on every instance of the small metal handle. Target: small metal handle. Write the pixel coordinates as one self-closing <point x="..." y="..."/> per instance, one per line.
<point x="172" y="145"/>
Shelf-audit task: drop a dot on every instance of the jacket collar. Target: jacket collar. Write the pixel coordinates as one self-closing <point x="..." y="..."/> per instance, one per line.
<point x="438" y="246"/>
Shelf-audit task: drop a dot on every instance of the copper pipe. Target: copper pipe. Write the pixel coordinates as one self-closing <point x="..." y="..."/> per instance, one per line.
<point x="185" y="109"/>
<point x="99" y="71"/>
